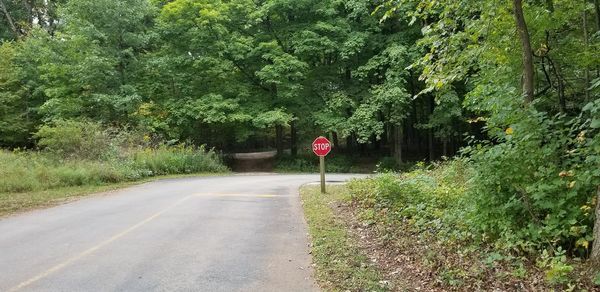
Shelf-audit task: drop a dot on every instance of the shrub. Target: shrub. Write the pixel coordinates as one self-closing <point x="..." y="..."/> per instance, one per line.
<point x="78" y="139"/>
<point x="535" y="187"/>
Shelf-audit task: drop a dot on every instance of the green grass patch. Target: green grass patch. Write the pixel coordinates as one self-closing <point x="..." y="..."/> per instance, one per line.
<point x="340" y="263"/>
<point x="29" y="171"/>
<point x="33" y="179"/>
<point x="11" y="203"/>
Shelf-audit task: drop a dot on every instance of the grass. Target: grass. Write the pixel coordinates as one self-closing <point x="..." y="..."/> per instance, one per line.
<point x="11" y="203"/>
<point x="34" y="179"/>
<point x="340" y="263"/>
<point x="31" y="171"/>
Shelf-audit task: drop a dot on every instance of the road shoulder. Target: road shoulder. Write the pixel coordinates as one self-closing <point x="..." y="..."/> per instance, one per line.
<point x="18" y="203"/>
<point x="339" y="262"/>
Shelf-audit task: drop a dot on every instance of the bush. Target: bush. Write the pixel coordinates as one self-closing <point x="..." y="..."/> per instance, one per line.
<point x="77" y="139"/>
<point x="535" y="188"/>
<point x="458" y="206"/>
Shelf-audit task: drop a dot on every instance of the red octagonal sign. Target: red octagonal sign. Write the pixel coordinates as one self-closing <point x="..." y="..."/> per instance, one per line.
<point x="321" y="146"/>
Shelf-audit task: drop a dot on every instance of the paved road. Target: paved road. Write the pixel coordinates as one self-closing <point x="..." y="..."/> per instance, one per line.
<point x="234" y="233"/>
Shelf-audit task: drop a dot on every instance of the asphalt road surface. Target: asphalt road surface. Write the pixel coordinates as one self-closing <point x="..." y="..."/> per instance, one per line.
<point x="232" y="233"/>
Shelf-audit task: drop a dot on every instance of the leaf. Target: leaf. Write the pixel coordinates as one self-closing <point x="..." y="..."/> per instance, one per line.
<point x="588" y="107"/>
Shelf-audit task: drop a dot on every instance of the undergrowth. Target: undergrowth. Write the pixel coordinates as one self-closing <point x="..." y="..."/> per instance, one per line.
<point x="26" y="171"/>
<point x="430" y="213"/>
<point x="340" y="265"/>
<point x="80" y="153"/>
<point x="334" y="163"/>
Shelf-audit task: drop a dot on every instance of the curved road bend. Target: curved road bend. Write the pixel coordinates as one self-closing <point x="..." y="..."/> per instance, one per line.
<point x="232" y="233"/>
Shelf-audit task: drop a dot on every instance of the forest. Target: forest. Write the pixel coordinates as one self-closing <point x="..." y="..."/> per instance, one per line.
<point x="509" y="90"/>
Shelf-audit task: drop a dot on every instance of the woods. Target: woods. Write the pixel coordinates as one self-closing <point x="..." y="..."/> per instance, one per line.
<point x="510" y="88"/>
<point x="187" y="70"/>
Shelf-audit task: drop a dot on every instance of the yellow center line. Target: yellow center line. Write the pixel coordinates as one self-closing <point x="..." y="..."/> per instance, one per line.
<point x="95" y="248"/>
<point x="239" y="195"/>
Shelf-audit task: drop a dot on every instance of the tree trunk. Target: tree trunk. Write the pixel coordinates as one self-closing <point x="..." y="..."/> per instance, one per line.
<point x="595" y="257"/>
<point x="336" y="142"/>
<point x="445" y="147"/>
<point x="376" y="143"/>
<point x="597" y="8"/>
<point x="398" y="143"/>
<point x="279" y="140"/>
<point x="561" y="93"/>
<point x="9" y="19"/>
<point x="586" y="42"/>
<point x="430" y="133"/>
<point x="294" y="138"/>
<point x="528" y="73"/>
<point x="562" y="102"/>
<point x="350" y="144"/>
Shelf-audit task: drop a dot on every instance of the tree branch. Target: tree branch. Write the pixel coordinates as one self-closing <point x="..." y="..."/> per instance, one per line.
<point x="9" y="18"/>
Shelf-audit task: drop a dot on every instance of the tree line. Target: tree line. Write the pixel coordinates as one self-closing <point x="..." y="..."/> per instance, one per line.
<point x="228" y="74"/>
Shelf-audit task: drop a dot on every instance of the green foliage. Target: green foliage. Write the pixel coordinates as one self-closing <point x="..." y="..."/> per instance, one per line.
<point x="450" y="204"/>
<point x="27" y="171"/>
<point x="390" y="164"/>
<point x="74" y="139"/>
<point x="224" y="73"/>
<point x="537" y="167"/>
<point x="597" y="279"/>
<point x="310" y="163"/>
<point x="537" y="185"/>
<point x="175" y="160"/>
<point x="90" y="68"/>
<point x="556" y="266"/>
<point x="430" y="202"/>
<point x="14" y="122"/>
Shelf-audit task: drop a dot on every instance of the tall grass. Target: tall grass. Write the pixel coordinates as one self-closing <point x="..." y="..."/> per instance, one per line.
<point x="25" y="171"/>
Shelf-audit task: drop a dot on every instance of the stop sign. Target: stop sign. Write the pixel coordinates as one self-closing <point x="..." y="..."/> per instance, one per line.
<point x="321" y="146"/>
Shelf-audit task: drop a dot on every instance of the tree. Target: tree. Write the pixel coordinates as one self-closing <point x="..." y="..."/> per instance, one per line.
<point x="90" y="68"/>
<point x="528" y="73"/>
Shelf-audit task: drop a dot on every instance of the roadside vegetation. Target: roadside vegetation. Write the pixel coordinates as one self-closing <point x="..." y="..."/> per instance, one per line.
<point x="437" y="219"/>
<point x="340" y="264"/>
<point x="430" y="229"/>
<point x="334" y="163"/>
<point x="86" y="155"/>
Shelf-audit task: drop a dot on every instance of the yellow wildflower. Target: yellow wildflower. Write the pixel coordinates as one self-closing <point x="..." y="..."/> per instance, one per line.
<point x="581" y="137"/>
<point x="583" y="243"/>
